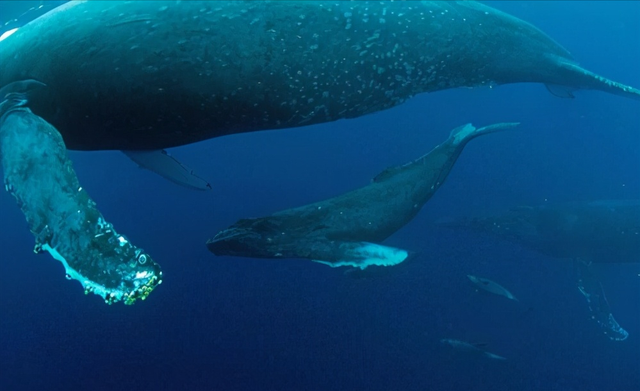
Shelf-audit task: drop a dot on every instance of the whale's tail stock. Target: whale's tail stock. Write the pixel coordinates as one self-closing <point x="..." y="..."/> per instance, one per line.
<point x="578" y="78"/>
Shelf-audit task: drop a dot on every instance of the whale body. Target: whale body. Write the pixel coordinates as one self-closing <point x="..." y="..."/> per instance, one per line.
<point x="343" y="230"/>
<point x="147" y="75"/>
<point x="604" y="231"/>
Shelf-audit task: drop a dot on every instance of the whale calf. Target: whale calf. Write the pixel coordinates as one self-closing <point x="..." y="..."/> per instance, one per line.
<point x="343" y="231"/>
<point x="605" y="231"/>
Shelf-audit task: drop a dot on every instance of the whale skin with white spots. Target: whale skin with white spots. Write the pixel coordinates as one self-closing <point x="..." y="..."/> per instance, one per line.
<point x="153" y="74"/>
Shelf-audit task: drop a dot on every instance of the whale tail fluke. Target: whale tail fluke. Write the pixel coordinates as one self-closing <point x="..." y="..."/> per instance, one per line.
<point x="579" y="78"/>
<point x="466" y="133"/>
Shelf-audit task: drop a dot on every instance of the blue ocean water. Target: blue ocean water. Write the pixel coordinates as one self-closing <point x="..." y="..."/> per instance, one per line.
<point x="250" y="324"/>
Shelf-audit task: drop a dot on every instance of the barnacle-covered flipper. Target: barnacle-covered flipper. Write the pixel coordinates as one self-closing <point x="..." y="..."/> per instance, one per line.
<point x="64" y="220"/>
<point x="592" y="290"/>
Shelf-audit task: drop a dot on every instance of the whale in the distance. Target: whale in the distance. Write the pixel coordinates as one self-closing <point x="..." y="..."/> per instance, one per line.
<point x="491" y="286"/>
<point x="606" y="231"/>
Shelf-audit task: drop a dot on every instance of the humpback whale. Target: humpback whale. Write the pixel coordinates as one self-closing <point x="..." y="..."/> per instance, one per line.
<point x="147" y="75"/>
<point x="491" y="286"/>
<point x="141" y="76"/>
<point x="343" y="231"/>
<point x="606" y="231"/>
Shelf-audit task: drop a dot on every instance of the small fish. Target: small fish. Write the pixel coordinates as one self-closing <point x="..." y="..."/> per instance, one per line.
<point x="477" y="348"/>
<point x="491" y="287"/>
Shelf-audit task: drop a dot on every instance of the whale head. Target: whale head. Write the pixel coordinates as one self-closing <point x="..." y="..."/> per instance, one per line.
<point x="256" y="238"/>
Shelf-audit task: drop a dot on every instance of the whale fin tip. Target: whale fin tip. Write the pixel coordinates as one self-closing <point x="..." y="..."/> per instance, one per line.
<point x="165" y="165"/>
<point x="560" y="91"/>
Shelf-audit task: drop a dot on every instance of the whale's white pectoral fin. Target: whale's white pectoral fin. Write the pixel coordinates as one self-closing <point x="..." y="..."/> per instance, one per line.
<point x="163" y="164"/>
<point x="560" y="91"/>
<point x="364" y="254"/>
<point x="592" y="290"/>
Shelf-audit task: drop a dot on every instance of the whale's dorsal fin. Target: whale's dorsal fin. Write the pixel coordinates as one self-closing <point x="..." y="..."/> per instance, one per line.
<point x="165" y="165"/>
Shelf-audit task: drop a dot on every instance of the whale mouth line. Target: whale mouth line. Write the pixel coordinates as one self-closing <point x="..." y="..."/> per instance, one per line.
<point x="241" y="242"/>
<point x="231" y="234"/>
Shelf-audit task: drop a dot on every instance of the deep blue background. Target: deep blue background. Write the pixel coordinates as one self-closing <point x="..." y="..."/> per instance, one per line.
<point x="245" y="324"/>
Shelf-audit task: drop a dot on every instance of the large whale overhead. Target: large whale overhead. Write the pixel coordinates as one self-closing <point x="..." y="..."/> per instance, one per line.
<point x="342" y="231"/>
<point x="605" y="231"/>
<point x="145" y="75"/>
